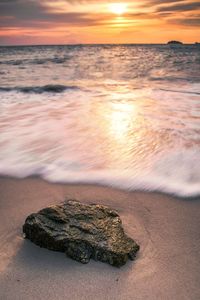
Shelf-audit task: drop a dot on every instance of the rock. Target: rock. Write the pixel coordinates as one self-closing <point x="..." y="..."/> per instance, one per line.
<point x="175" y="43"/>
<point x="82" y="231"/>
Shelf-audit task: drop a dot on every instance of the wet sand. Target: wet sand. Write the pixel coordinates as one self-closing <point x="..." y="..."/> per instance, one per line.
<point x="167" y="229"/>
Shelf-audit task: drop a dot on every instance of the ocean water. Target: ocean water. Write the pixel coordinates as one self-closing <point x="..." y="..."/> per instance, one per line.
<point x="126" y="116"/>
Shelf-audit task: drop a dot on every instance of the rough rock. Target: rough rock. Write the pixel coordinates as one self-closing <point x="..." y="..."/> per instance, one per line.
<point x="82" y="231"/>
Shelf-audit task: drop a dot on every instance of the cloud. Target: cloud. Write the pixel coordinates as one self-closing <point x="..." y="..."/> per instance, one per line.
<point x="183" y="7"/>
<point x="31" y="13"/>
<point x="35" y="12"/>
<point x="26" y="18"/>
<point x="191" y="21"/>
<point x="159" y="2"/>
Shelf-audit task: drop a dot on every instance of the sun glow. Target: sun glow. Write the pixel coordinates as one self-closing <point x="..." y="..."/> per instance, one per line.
<point x="118" y="8"/>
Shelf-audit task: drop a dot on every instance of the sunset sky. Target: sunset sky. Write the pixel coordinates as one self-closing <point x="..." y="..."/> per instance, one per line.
<point x="100" y="21"/>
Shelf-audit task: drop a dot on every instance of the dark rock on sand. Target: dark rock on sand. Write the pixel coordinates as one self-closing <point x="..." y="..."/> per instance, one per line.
<point x="82" y="231"/>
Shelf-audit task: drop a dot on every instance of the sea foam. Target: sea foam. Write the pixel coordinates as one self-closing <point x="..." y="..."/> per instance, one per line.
<point x="99" y="117"/>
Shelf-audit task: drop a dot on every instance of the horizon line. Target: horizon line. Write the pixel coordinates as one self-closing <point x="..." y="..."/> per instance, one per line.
<point x="91" y="44"/>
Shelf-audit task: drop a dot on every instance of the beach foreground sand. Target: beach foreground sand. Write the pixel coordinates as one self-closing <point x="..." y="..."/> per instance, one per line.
<point x="167" y="229"/>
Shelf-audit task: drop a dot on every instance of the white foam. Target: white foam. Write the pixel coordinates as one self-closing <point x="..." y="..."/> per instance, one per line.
<point x="120" y="136"/>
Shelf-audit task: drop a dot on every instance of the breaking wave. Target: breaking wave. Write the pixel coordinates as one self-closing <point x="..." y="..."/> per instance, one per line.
<point x="50" y="88"/>
<point x="176" y="174"/>
<point x="123" y="116"/>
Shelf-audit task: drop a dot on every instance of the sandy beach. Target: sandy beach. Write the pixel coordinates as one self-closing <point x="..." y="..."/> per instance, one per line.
<point x="166" y="227"/>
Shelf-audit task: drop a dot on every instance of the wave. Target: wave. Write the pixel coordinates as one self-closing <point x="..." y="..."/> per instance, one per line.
<point x="39" y="61"/>
<point x="176" y="173"/>
<point x="50" y="88"/>
<point x="119" y="179"/>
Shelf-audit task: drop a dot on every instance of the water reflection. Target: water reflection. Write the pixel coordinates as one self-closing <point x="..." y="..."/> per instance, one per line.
<point x="125" y="132"/>
<point x="123" y="108"/>
<point x="122" y="118"/>
<point x="117" y="128"/>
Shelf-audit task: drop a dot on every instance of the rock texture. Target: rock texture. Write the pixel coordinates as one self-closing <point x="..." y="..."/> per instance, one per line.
<point x="82" y="231"/>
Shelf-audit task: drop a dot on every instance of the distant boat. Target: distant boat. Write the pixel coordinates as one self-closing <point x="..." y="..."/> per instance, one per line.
<point x="197" y="43"/>
<point x="174" y="43"/>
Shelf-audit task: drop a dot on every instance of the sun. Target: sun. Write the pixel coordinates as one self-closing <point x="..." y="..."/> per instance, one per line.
<point x="118" y="8"/>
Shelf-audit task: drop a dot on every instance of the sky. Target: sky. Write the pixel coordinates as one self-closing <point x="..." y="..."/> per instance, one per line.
<point x="32" y="22"/>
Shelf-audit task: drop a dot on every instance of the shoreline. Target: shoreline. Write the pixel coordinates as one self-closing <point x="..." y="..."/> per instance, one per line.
<point x="155" y="191"/>
<point x="166" y="228"/>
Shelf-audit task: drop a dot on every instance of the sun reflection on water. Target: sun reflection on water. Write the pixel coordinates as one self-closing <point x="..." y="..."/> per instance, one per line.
<point x="122" y="118"/>
<point x="127" y="137"/>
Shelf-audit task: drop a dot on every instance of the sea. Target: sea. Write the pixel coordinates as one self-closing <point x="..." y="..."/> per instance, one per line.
<point x="126" y="116"/>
